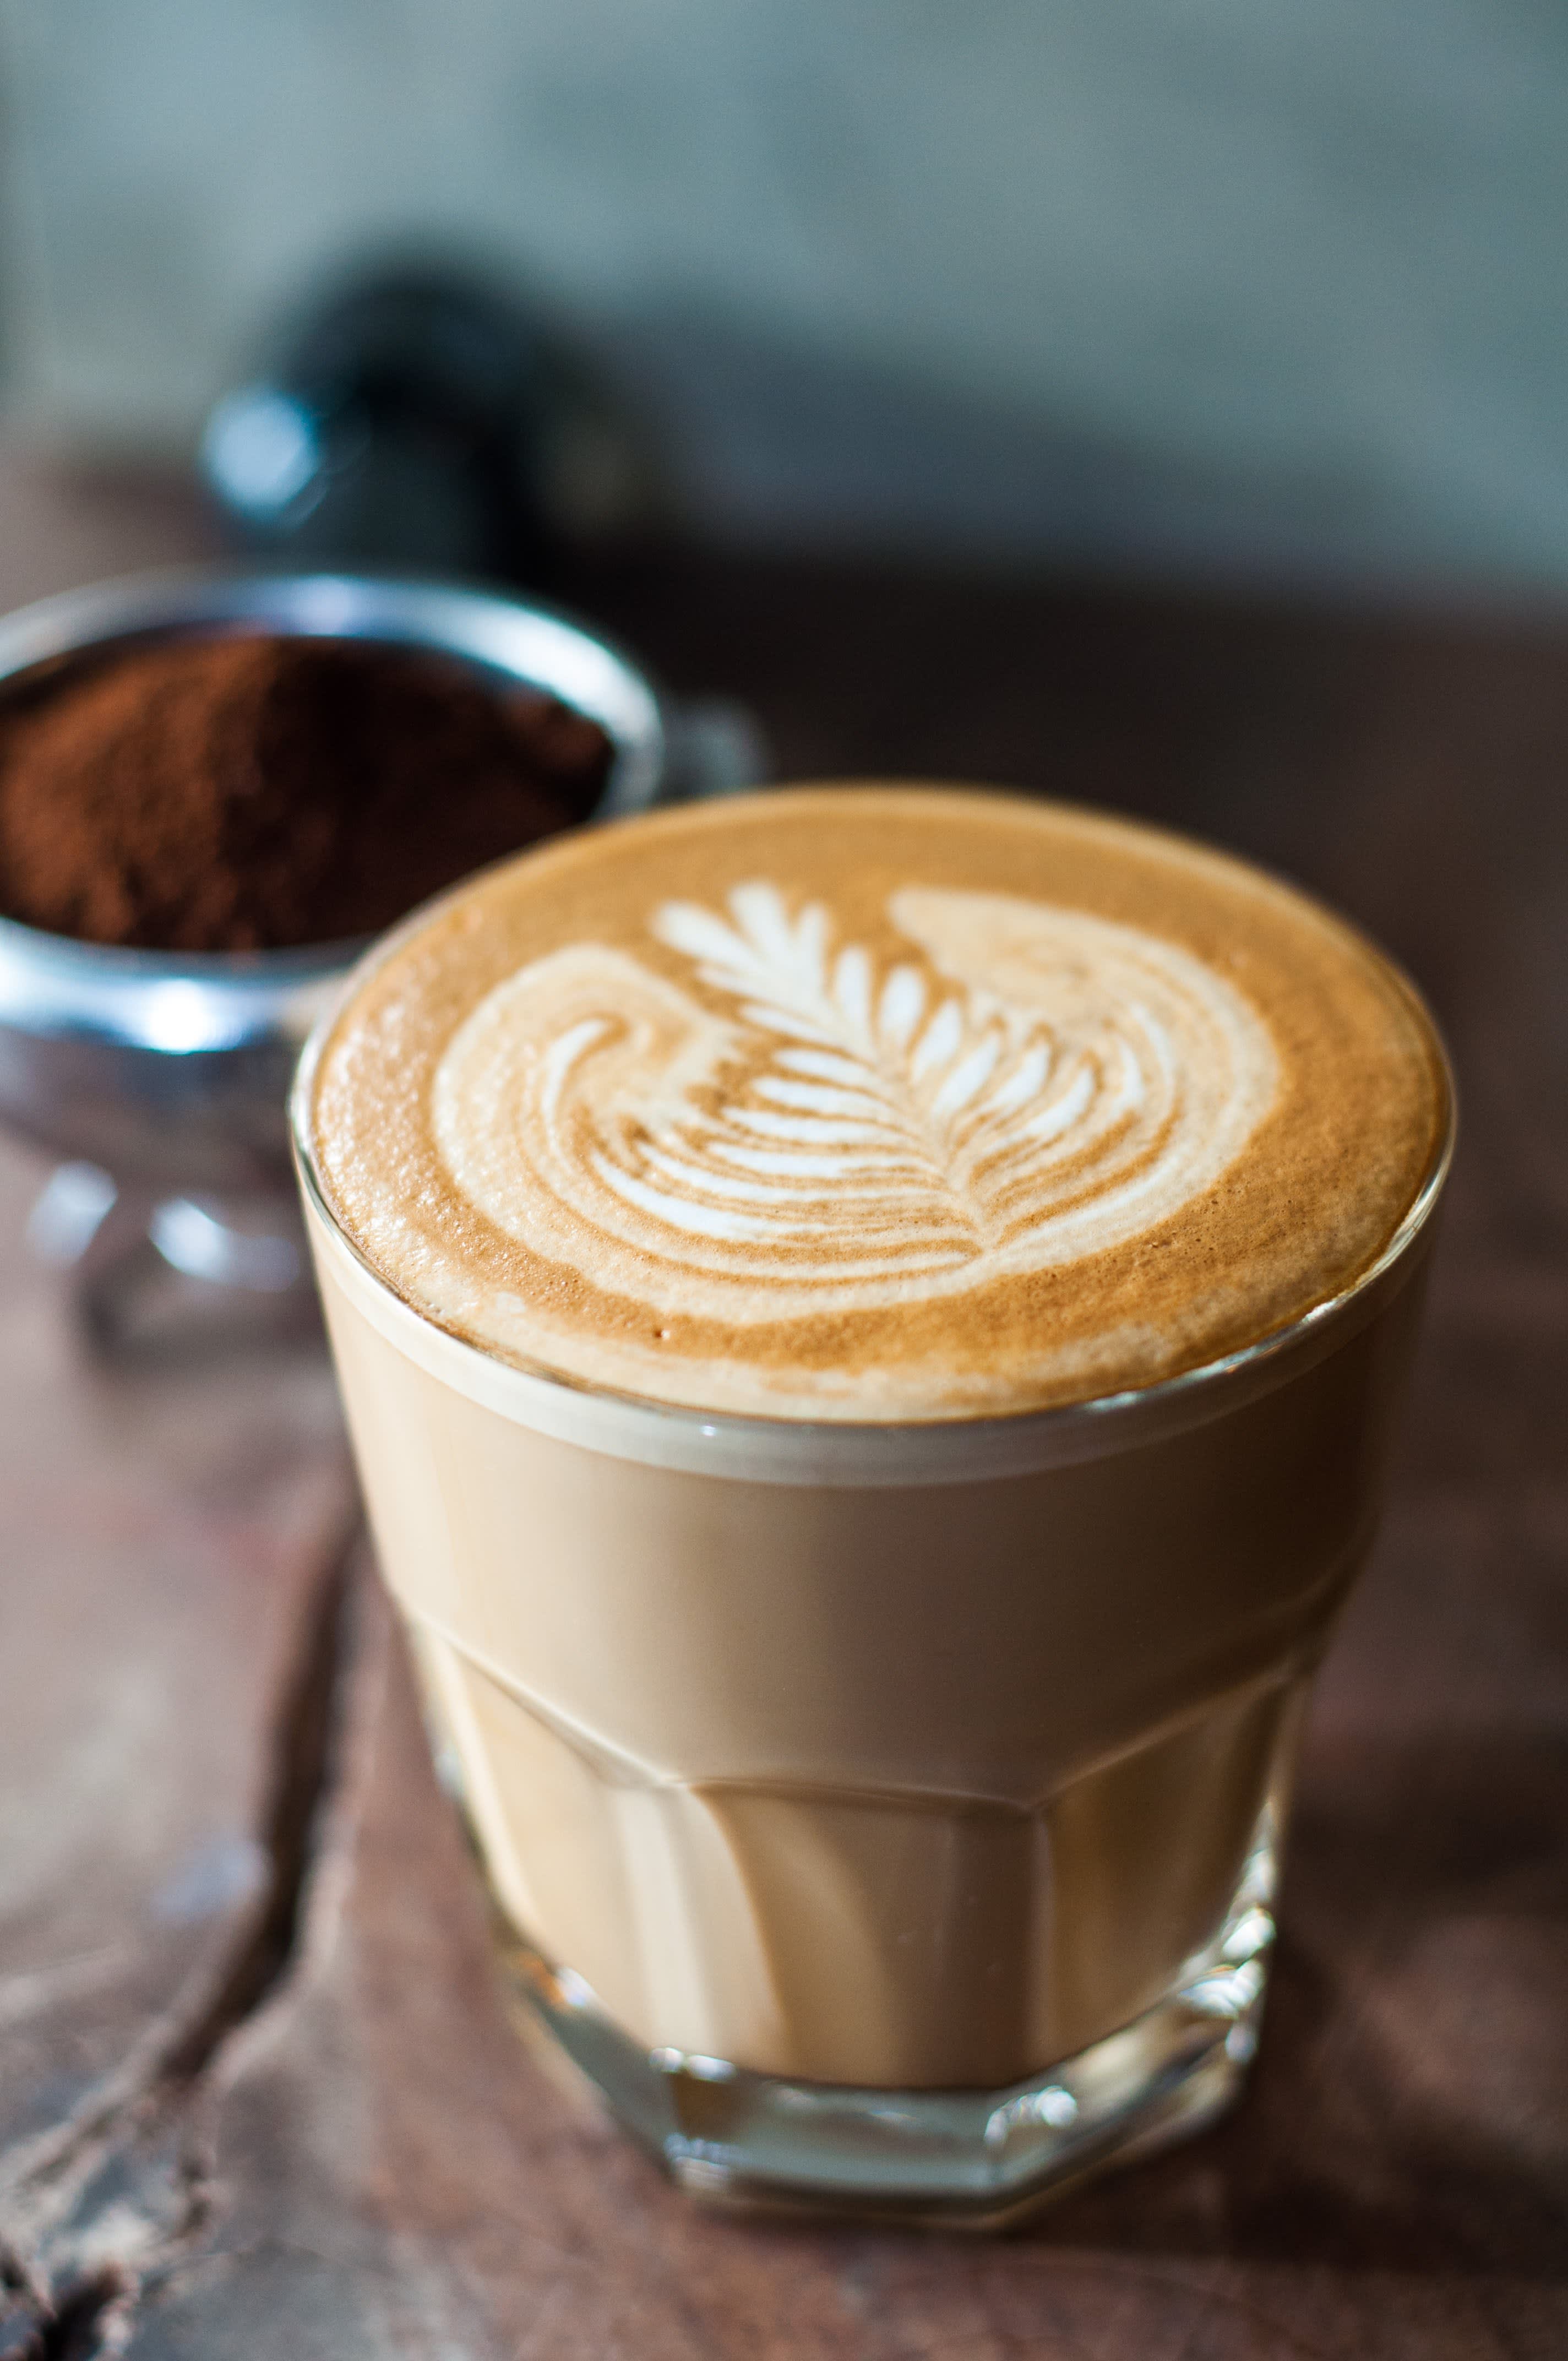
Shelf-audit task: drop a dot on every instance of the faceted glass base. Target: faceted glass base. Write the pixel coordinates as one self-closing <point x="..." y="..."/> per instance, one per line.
<point x="955" y="2159"/>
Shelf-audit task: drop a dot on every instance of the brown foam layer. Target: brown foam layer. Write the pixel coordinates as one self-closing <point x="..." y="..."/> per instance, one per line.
<point x="875" y="1103"/>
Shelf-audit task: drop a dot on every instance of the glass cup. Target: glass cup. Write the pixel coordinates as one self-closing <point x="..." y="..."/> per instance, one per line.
<point x="885" y="1819"/>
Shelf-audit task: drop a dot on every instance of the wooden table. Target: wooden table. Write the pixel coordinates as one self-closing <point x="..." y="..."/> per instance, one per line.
<point x="258" y="2094"/>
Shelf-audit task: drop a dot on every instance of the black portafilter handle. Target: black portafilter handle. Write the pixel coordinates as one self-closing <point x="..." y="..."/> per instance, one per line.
<point x="411" y="419"/>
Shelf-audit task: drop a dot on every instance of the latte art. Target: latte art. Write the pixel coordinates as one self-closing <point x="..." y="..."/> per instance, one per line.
<point x="873" y="1105"/>
<point x="801" y="1127"/>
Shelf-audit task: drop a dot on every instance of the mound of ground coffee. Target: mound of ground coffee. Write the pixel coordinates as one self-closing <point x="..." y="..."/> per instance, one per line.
<point x="252" y="793"/>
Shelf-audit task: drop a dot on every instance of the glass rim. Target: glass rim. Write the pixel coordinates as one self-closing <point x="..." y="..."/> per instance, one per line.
<point x="784" y="1449"/>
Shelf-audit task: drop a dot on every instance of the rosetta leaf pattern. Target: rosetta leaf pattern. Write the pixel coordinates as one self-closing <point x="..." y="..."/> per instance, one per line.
<point x="930" y="1106"/>
<point x="775" y="1119"/>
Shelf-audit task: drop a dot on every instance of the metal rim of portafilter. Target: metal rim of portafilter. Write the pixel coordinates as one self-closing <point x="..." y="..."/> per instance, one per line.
<point x="161" y="1078"/>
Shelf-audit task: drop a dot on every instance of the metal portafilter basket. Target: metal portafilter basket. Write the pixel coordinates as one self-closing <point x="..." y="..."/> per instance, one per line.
<point x="158" y="1077"/>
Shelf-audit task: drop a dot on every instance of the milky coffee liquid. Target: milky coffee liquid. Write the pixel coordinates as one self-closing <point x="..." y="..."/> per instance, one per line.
<point x="917" y="1757"/>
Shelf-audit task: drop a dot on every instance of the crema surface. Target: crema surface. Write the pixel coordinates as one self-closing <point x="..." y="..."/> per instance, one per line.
<point x="874" y="1103"/>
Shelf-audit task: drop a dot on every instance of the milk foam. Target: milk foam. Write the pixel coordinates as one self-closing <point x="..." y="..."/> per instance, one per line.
<point x="824" y="1131"/>
<point x="872" y="1105"/>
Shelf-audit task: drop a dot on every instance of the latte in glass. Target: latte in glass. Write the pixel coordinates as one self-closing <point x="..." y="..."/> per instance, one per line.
<point x="870" y="1319"/>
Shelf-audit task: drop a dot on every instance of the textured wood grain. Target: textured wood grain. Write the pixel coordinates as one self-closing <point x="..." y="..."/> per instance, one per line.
<point x="362" y="2160"/>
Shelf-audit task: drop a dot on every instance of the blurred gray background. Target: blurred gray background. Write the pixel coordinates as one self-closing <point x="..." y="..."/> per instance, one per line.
<point x="1233" y="286"/>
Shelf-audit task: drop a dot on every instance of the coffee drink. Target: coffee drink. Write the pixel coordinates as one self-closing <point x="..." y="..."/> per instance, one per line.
<point x="869" y="1319"/>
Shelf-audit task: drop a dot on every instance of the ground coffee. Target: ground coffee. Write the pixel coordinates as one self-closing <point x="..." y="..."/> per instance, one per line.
<point x="251" y="793"/>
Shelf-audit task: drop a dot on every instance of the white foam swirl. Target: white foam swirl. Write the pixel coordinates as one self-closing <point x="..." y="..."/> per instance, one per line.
<point x="817" y="1131"/>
